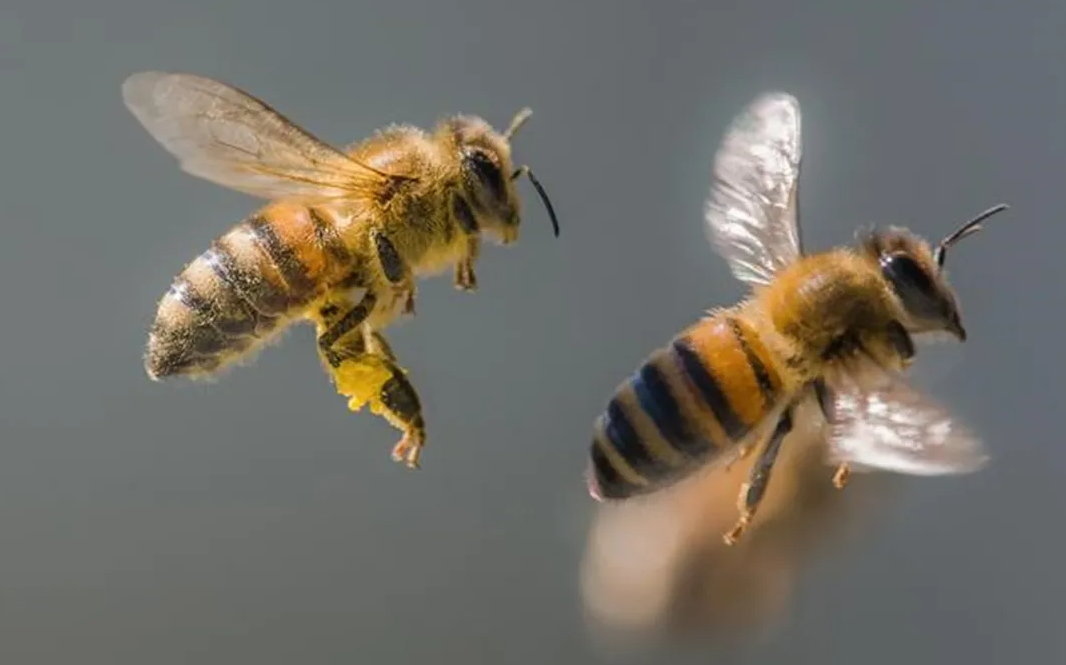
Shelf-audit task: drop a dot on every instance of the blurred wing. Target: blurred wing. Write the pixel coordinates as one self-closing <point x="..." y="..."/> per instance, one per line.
<point x="752" y="211"/>
<point x="229" y="137"/>
<point x="657" y="567"/>
<point x="897" y="428"/>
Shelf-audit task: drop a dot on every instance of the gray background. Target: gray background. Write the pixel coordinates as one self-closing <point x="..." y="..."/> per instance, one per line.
<point x="256" y="520"/>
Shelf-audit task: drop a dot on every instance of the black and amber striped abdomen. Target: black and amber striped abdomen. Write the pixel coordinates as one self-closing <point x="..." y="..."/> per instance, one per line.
<point x="251" y="282"/>
<point x="686" y="404"/>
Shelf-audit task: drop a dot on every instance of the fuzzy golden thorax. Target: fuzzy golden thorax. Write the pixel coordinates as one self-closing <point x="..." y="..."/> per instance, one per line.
<point x="832" y="306"/>
<point x="826" y="307"/>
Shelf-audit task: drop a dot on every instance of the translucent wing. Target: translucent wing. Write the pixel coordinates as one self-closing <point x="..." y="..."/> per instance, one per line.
<point x="229" y="137"/>
<point x="894" y="427"/>
<point x="752" y="211"/>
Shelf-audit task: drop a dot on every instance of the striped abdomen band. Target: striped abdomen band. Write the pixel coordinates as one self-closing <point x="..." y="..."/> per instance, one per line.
<point x="687" y="403"/>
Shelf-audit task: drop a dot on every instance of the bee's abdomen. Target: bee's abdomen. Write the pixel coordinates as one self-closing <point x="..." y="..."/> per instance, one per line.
<point x="249" y="283"/>
<point x="683" y="407"/>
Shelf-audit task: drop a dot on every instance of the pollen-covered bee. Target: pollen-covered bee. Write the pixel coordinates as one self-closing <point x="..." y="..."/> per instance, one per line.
<point x="340" y="242"/>
<point x="835" y="327"/>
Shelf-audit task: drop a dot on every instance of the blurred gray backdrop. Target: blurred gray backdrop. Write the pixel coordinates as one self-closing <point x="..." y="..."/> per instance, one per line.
<point x="256" y="520"/>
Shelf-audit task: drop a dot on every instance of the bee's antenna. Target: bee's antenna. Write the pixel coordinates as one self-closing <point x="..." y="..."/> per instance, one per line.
<point x="516" y="124"/>
<point x="970" y="227"/>
<point x="525" y="171"/>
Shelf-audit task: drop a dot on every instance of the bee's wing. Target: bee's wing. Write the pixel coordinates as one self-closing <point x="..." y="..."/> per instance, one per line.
<point x="656" y="566"/>
<point x="752" y="211"/>
<point x="233" y="139"/>
<point x="894" y="427"/>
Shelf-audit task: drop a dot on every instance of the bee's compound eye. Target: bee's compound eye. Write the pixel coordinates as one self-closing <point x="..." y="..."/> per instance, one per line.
<point x="481" y="166"/>
<point x="901" y="270"/>
<point x="913" y="285"/>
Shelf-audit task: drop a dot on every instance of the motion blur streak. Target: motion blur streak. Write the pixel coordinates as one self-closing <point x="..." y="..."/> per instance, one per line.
<point x="656" y="566"/>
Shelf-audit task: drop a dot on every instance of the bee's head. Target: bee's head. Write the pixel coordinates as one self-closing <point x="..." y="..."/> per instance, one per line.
<point x="488" y="175"/>
<point x="915" y="271"/>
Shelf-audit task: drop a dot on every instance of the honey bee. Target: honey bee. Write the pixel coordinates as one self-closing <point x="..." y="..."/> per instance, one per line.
<point x="340" y="242"/>
<point x="837" y="327"/>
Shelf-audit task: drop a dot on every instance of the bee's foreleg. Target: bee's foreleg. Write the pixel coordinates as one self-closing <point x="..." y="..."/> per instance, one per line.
<point x="396" y="270"/>
<point x="465" y="279"/>
<point x="825" y="399"/>
<point x="752" y="492"/>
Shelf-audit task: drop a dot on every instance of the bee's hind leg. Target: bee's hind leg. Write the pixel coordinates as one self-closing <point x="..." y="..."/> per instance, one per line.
<point x="752" y="492"/>
<point x="377" y="345"/>
<point x="398" y="403"/>
<point x="364" y="369"/>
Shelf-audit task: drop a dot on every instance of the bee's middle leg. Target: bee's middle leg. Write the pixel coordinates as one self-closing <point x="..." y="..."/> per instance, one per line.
<point x="753" y="491"/>
<point x="824" y="396"/>
<point x="396" y="270"/>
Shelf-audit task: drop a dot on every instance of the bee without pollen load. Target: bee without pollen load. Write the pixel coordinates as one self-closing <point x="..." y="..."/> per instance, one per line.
<point x="835" y="327"/>
<point x="340" y="243"/>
